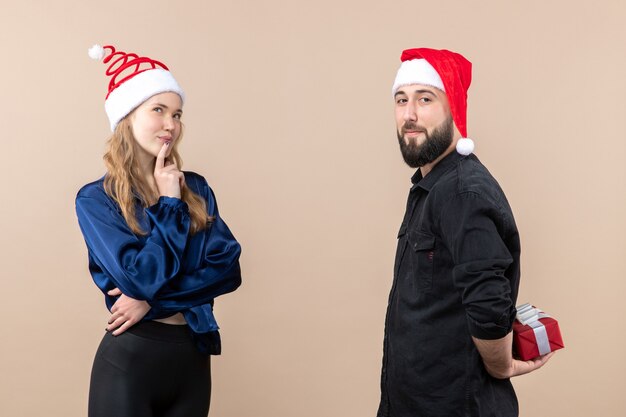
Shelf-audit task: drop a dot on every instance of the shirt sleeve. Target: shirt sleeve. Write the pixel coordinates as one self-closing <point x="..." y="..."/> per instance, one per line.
<point x="218" y="272"/>
<point x="471" y="227"/>
<point x="139" y="267"/>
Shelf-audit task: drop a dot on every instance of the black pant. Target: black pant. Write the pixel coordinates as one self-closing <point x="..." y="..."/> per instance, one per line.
<point x="153" y="369"/>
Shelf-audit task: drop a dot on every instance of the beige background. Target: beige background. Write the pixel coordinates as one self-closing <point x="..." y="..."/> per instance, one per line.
<point x="289" y="116"/>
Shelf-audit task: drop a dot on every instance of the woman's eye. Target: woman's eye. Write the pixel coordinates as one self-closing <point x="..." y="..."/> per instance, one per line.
<point x="157" y="109"/>
<point x="178" y="116"/>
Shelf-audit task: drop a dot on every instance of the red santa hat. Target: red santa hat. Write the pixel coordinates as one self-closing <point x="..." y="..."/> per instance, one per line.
<point x="448" y="71"/>
<point x="134" y="79"/>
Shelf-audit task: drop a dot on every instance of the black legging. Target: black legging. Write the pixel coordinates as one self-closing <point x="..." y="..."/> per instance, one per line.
<point x="151" y="370"/>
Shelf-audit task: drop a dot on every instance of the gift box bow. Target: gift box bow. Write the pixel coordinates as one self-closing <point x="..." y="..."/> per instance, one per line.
<point x="530" y="316"/>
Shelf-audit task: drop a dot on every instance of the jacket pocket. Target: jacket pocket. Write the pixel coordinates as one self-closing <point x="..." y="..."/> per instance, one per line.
<point x="422" y="257"/>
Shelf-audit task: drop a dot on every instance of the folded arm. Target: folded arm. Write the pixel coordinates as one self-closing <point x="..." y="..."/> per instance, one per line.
<point x="139" y="267"/>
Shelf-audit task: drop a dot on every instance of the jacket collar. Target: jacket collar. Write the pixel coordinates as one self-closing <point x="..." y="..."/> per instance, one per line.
<point x="443" y="166"/>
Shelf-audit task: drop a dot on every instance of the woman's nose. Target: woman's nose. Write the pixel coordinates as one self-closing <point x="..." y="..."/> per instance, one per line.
<point x="168" y="123"/>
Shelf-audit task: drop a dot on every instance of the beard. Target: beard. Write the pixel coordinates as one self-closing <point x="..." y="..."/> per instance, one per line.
<point x="434" y="145"/>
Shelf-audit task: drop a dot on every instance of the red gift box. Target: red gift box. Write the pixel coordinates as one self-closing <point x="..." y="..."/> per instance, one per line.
<point x="535" y="333"/>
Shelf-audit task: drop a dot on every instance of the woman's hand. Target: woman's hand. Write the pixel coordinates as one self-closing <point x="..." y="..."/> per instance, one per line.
<point x="168" y="178"/>
<point x="125" y="312"/>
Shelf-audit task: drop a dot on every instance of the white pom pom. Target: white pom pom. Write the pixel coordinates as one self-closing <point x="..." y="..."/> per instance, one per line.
<point x="96" y="52"/>
<point x="465" y="146"/>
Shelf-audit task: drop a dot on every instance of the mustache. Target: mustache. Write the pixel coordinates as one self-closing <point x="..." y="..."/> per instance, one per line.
<point x="412" y="127"/>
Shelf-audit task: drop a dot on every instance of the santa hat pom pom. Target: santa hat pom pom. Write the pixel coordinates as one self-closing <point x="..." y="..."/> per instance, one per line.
<point x="465" y="146"/>
<point x="96" y="52"/>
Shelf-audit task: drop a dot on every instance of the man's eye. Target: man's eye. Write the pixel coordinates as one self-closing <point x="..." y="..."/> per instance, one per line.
<point x="425" y="100"/>
<point x="401" y="101"/>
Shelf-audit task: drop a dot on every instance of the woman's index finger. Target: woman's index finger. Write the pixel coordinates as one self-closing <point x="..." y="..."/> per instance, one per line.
<point x="160" y="160"/>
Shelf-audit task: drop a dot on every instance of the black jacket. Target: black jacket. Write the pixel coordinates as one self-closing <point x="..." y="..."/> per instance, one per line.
<point x="456" y="276"/>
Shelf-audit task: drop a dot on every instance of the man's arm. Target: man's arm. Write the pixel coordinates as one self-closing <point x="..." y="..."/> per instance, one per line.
<point x="471" y="228"/>
<point x="498" y="358"/>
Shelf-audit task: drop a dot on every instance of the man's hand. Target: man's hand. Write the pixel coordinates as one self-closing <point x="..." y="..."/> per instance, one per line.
<point x="523" y="367"/>
<point x="125" y="312"/>
<point x="498" y="358"/>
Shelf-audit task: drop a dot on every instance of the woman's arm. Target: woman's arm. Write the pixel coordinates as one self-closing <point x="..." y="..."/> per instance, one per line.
<point x="218" y="272"/>
<point x="125" y="312"/>
<point x="139" y="267"/>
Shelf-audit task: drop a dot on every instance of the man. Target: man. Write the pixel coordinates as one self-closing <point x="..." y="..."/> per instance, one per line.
<point x="448" y="340"/>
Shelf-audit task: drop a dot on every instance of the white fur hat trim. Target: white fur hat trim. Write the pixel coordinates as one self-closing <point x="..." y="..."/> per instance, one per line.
<point x="131" y="93"/>
<point x="417" y="71"/>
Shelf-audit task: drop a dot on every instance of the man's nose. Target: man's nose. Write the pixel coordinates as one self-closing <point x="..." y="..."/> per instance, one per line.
<point x="410" y="113"/>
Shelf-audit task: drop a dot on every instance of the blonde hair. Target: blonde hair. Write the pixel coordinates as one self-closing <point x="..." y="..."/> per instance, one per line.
<point x="124" y="182"/>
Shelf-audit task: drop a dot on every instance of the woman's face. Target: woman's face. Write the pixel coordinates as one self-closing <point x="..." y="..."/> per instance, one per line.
<point x="155" y="122"/>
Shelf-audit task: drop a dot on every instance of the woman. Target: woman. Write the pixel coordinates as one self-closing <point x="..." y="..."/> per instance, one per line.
<point x="158" y="250"/>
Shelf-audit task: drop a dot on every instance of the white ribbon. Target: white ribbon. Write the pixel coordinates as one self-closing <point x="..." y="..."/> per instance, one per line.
<point x="529" y="316"/>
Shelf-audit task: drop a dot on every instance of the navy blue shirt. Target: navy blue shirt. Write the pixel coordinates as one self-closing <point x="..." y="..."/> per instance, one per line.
<point x="171" y="269"/>
<point x="456" y="276"/>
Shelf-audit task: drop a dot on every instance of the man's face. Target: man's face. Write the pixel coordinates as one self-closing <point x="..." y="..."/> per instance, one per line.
<point x="424" y="123"/>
